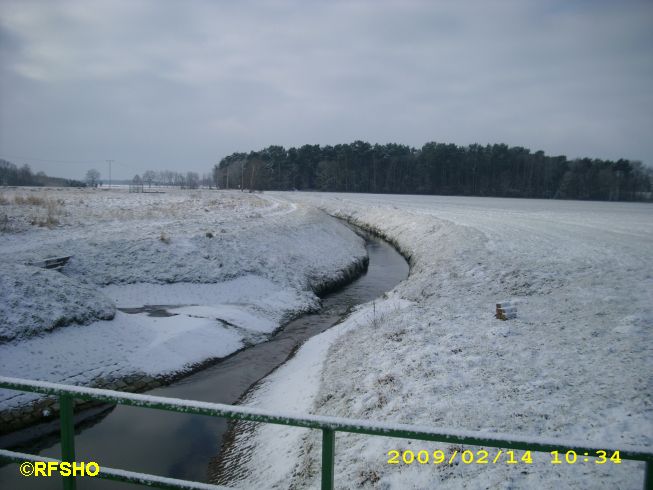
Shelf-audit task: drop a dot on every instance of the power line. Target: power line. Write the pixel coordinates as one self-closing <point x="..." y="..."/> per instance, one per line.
<point x="63" y="162"/>
<point x="76" y="162"/>
<point x="86" y="162"/>
<point x="109" y="162"/>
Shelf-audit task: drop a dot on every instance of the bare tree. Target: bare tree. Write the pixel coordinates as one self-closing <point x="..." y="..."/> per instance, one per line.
<point x="178" y="179"/>
<point x="137" y="184"/>
<point x="92" y="177"/>
<point x="255" y="167"/>
<point x="192" y="180"/>
<point x="148" y="177"/>
<point x="206" y="181"/>
<point x="216" y="176"/>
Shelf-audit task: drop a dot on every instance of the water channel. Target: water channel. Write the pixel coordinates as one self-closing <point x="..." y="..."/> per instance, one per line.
<point x="180" y="445"/>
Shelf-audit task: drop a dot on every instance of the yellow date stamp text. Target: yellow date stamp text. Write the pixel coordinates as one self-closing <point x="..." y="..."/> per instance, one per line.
<point x="498" y="456"/>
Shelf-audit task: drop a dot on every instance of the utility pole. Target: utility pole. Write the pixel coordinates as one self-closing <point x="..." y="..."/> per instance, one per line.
<point x="109" y="162"/>
<point x="242" y="171"/>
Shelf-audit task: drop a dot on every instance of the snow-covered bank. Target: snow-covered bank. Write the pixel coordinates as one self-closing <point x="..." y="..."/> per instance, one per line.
<point x="293" y="388"/>
<point x="575" y="364"/>
<point x="232" y="268"/>
<point x="35" y="300"/>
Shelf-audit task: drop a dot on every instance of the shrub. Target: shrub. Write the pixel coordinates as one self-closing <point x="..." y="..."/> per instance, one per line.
<point x="52" y="210"/>
<point x="37" y="201"/>
<point x="30" y="200"/>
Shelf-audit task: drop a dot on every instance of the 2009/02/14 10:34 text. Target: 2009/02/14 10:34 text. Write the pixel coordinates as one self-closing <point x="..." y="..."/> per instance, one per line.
<point x="482" y="456"/>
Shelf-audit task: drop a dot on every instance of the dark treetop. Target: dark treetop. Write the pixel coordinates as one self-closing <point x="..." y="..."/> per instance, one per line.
<point x="436" y="168"/>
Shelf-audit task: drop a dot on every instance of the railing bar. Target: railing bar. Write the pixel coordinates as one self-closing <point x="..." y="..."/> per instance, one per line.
<point x="328" y="458"/>
<point x="120" y="475"/>
<point x="507" y="441"/>
<point x="66" y="418"/>
<point x="328" y="425"/>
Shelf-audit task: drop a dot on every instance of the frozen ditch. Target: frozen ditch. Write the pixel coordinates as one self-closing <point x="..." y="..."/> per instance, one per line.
<point x="184" y="446"/>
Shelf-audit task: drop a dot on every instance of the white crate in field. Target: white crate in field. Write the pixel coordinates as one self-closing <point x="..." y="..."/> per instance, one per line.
<point x="506" y="310"/>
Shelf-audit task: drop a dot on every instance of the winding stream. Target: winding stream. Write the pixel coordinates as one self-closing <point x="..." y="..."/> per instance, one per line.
<point x="183" y="446"/>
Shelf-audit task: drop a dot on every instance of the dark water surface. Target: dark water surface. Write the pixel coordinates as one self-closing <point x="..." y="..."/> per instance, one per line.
<point x="181" y="445"/>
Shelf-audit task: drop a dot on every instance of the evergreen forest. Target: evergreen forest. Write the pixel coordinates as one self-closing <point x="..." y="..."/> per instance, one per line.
<point x="436" y="168"/>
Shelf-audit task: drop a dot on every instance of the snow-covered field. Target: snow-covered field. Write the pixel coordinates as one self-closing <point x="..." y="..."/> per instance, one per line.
<point x="231" y="267"/>
<point x="576" y="364"/>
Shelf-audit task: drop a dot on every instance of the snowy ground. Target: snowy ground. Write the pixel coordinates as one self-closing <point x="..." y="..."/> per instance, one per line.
<point x="575" y="364"/>
<point x="231" y="266"/>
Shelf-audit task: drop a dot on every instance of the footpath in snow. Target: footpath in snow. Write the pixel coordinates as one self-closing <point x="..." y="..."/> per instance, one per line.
<point x="575" y="364"/>
<point x="228" y="268"/>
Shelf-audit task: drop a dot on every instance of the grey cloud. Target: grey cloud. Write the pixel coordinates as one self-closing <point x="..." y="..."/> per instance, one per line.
<point x="181" y="84"/>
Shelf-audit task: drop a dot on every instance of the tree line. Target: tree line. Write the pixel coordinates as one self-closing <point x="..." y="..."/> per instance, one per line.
<point x="162" y="178"/>
<point x="437" y="168"/>
<point x="11" y="174"/>
<point x="167" y="178"/>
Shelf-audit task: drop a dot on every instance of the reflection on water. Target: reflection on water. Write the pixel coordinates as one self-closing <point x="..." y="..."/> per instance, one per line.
<point x="180" y="445"/>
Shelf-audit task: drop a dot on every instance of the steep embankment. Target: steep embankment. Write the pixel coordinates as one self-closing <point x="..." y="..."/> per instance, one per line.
<point x="230" y="267"/>
<point x="575" y="364"/>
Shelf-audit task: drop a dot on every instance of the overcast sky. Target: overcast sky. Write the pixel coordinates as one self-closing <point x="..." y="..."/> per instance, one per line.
<point x="179" y="85"/>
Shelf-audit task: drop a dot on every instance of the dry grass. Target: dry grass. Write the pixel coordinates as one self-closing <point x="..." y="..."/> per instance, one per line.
<point x="29" y="207"/>
<point x="38" y="210"/>
<point x="50" y="220"/>
<point x="32" y="200"/>
<point x="52" y="207"/>
<point x="29" y="200"/>
<point x="4" y="222"/>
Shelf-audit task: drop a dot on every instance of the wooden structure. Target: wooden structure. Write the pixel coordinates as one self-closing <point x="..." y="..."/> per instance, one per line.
<point x="55" y="262"/>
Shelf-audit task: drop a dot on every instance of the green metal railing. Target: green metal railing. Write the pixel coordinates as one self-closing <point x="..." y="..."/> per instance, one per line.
<point x="328" y="425"/>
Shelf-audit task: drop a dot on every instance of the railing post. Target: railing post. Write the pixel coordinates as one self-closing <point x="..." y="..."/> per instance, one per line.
<point x="67" y="437"/>
<point x="648" y="476"/>
<point x="328" y="456"/>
